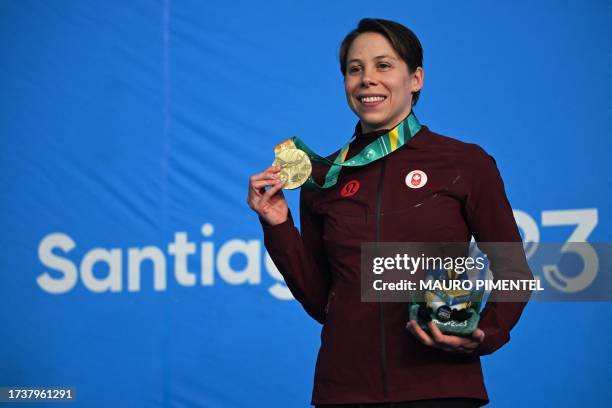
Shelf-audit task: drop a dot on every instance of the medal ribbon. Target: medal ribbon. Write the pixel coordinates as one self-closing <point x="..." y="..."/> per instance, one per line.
<point x="383" y="146"/>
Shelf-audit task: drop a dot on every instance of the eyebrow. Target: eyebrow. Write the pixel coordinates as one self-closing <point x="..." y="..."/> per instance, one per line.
<point x="377" y="57"/>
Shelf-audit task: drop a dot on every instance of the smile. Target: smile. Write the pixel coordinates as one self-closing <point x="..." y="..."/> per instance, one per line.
<point x="371" y="100"/>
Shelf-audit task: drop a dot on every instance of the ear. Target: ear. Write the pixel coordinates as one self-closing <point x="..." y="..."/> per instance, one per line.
<point x="417" y="79"/>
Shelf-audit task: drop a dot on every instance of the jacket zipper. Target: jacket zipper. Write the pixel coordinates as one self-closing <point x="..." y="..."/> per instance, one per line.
<point x="383" y="347"/>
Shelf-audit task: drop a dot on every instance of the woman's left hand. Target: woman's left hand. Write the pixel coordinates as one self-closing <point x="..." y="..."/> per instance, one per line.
<point x="455" y="344"/>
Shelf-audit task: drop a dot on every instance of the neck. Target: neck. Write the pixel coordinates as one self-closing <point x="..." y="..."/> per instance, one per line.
<point x="367" y="130"/>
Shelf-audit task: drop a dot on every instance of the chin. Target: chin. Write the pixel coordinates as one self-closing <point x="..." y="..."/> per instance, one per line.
<point x="373" y="124"/>
<point x="372" y="120"/>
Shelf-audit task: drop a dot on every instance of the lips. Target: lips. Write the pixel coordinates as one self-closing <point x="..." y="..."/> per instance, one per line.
<point x="371" y="100"/>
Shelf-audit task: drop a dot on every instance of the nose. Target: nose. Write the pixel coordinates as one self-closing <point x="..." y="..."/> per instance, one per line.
<point x="367" y="78"/>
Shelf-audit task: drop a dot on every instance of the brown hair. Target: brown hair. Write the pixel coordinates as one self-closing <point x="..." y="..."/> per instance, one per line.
<point x="401" y="38"/>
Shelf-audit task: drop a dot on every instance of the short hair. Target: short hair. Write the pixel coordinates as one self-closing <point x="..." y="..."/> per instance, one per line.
<point x="401" y="38"/>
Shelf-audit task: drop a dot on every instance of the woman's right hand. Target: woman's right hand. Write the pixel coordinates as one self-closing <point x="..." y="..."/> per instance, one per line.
<point x="268" y="204"/>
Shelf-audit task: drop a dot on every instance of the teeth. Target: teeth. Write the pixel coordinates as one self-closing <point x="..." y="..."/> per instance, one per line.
<point x="373" y="99"/>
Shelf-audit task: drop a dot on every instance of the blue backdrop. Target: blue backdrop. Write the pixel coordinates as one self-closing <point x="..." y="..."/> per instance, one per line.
<point x="132" y="268"/>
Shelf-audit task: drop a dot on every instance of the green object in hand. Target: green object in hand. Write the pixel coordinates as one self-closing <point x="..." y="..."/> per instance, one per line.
<point x="420" y="312"/>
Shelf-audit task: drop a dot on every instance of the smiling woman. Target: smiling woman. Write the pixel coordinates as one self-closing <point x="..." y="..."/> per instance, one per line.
<point x="379" y="84"/>
<point x="397" y="181"/>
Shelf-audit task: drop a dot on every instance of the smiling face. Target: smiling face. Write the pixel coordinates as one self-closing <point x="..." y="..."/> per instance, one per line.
<point x="377" y="82"/>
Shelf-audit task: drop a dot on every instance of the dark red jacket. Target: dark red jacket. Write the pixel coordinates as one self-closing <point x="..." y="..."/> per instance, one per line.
<point x="366" y="354"/>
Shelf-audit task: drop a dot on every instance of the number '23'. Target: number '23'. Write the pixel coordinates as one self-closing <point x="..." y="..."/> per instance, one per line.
<point x="585" y="221"/>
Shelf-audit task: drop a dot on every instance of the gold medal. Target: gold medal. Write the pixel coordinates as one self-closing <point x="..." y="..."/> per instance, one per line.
<point x="294" y="163"/>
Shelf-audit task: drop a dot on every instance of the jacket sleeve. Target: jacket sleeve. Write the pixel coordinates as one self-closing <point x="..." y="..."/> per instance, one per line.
<point x="490" y="219"/>
<point x="300" y="258"/>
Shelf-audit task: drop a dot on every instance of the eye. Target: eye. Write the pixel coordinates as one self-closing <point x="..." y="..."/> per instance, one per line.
<point x="353" y="69"/>
<point x="384" y="65"/>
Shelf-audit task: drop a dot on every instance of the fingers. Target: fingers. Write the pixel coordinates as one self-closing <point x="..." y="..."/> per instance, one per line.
<point x="257" y="183"/>
<point x="478" y="335"/>
<point x="271" y="191"/>
<point x="452" y="343"/>
<point x="263" y="206"/>
<point x="442" y="341"/>
<point x="419" y="333"/>
<point x="470" y="344"/>
<point x="271" y="173"/>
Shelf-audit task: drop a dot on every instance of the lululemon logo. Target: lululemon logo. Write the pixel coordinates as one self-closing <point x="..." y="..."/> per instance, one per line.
<point x="416" y="179"/>
<point x="349" y="188"/>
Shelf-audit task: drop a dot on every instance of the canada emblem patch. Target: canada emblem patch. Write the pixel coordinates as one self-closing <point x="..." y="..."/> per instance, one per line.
<point x="416" y="179"/>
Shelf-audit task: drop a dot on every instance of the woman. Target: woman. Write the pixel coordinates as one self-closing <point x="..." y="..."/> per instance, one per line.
<point x="433" y="188"/>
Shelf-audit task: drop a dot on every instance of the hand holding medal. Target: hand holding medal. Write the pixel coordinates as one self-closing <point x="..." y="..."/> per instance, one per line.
<point x="292" y="168"/>
<point x="269" y="204"/>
